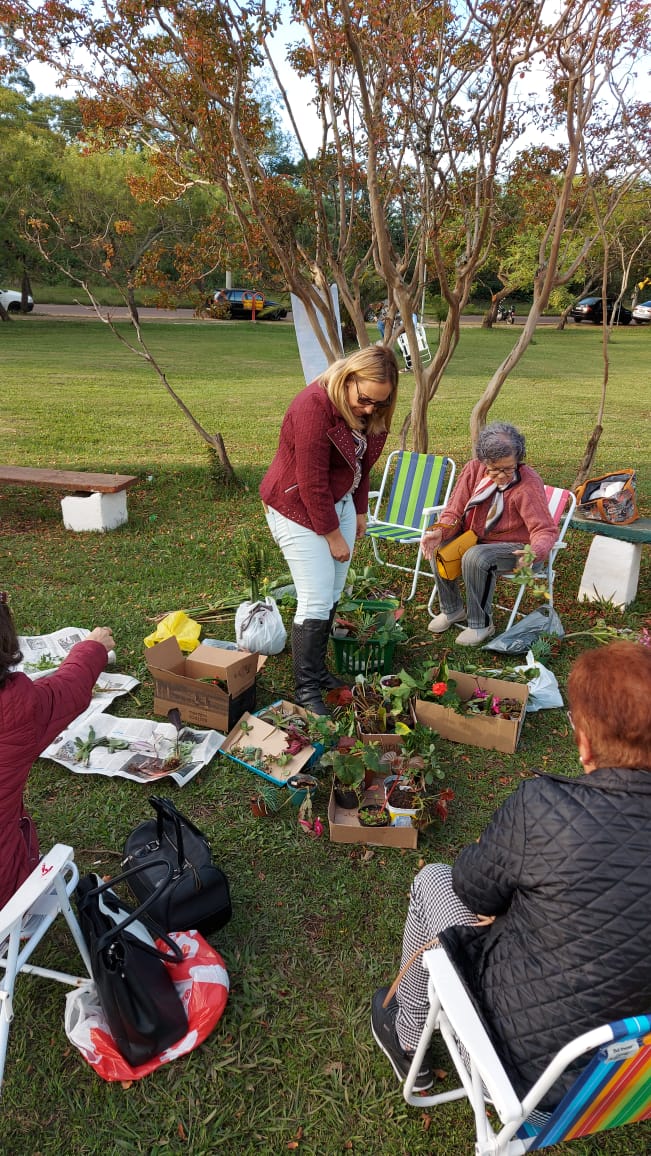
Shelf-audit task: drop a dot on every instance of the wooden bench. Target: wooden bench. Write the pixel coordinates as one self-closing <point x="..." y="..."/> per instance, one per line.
<point x="94" y="501"/>
<point x="612" y="568"/>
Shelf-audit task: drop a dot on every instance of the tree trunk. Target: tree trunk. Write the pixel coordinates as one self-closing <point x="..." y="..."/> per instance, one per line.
<point x="587" y="462"/>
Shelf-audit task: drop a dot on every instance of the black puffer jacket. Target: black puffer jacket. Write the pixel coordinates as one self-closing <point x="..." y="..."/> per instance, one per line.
<point x="565" y="865"/>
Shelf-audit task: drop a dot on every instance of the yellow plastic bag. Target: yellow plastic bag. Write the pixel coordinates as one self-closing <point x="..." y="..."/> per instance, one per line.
<point x="177" y="625"/>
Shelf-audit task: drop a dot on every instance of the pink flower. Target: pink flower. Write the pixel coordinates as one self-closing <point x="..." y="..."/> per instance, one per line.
<point x="439" y="687"/>
<point x="645" y="636"/>
<point x="495" y="705"/>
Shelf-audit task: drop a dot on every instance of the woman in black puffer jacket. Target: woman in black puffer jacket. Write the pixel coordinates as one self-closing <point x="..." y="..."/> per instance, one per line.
<point x="561" y="878"/>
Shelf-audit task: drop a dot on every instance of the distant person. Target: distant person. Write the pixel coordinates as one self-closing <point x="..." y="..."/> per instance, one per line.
<point x="32" y="713"/>
<point x="504" y="502"/>
<point x="561" y="878"/>
<point x="316" y="496"/>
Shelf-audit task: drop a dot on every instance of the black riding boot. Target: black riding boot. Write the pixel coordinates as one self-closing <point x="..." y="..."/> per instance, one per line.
<point x="330" y="681"/>
<point x="309" y="640"/>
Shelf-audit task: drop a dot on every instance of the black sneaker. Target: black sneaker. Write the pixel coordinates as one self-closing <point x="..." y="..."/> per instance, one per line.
<point x="383" y="1026"/>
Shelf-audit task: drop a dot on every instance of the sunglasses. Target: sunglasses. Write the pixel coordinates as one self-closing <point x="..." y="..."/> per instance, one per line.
<point x="363" y="400"/>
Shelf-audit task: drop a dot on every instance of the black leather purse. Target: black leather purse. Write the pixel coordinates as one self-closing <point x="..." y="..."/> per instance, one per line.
<point x="143" y="1010"/>
<point x="197" y="896"/>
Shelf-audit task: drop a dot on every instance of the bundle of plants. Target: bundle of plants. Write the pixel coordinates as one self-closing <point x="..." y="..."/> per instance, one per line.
<point x="380" y="704"/>
<point x="365" y="627"/>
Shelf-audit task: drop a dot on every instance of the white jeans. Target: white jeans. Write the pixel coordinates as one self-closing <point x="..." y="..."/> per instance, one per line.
<point x="318" y="579"/>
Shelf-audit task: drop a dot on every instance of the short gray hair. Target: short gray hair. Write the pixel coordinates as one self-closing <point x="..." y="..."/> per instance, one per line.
<point x="498" y="440"/>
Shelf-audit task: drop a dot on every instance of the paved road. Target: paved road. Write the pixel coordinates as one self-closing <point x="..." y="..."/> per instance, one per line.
<point x="119" y="312"/>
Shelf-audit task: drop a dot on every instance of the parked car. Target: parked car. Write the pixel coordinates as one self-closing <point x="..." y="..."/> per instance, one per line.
<point x="642" y="313"/>
<point x="11" y="301"/>
<point x="241" y="303"/>
<point x="591" y="309"/>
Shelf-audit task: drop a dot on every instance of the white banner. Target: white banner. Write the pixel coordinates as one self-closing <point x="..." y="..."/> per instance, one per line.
<point x="313" y="359"/>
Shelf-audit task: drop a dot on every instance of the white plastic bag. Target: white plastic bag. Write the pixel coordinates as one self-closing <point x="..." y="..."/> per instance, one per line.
<point x="259" y="627"/>
<point x="543" y="688"/>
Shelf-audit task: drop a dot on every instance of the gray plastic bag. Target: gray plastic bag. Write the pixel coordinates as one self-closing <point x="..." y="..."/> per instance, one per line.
<point x="524" y="633"/>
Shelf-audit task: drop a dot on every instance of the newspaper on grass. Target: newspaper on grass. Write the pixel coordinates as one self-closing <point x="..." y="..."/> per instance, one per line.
<point x="43" y="653"/>
<point x="138" y="749"/>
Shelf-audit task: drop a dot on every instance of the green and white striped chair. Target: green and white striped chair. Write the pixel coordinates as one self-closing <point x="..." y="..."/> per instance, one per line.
<point x="613" y="1089"/>
<point x="414" y="488"/>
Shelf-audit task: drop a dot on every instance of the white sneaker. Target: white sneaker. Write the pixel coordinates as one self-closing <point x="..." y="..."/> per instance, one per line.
<point x="444" y="621"/>
<point x="472" y="637"/>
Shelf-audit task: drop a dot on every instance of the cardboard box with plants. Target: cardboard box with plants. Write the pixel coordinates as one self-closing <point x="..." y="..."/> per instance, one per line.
<point x="383" y="793"/>
<point x="472" y="707"/>
<point x="278" y="743"/>
<point x="211" y="687"/>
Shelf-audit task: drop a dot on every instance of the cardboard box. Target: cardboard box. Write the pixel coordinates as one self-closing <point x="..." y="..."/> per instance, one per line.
<point x="497" y="734"/>
<point x="177" y="682"/>
<point x="271" y="740"/>
<point x="345" y="827"/>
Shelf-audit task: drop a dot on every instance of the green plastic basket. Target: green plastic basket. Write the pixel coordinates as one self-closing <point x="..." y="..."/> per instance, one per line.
<point x="369" y="658"/>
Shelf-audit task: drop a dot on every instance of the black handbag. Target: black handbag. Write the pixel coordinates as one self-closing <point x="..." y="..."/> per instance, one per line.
<point x="143" y="1010"/>
<point x="198" y="895"/>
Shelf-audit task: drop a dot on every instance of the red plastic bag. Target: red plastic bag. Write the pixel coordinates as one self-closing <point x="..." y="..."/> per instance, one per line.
<point x="201" y="981"/>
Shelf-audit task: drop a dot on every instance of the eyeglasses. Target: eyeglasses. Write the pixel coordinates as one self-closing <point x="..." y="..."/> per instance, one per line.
<point x="363" y="400"/>
<point x="502" y="471"/>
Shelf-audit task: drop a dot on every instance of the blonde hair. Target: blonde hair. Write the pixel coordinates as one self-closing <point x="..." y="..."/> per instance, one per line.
<point x="376" y="365"/>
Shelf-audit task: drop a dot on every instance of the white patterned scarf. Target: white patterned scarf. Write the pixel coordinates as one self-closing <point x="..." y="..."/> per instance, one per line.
<point x="488" y="488"/>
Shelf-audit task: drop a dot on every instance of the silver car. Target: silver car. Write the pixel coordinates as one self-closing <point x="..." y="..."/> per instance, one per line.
<point x="642" y="313"/>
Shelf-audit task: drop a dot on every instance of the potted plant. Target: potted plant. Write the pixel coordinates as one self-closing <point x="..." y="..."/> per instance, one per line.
<point x="413" y="786"/>
<point x="373" y="815"/>
<point x="267" y="799"/>
<point x="350" y="761"/>
<point x="365" y="640"/>
<point x="380" y="704"/>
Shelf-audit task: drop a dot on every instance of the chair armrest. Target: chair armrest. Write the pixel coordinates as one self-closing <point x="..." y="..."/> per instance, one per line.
<point x="37" y="884"/>
<point x="470" y="1031"/>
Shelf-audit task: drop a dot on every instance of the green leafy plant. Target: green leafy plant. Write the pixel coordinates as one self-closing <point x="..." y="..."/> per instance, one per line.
<point x="351" y="759"/>
<point x="365" y="626"/>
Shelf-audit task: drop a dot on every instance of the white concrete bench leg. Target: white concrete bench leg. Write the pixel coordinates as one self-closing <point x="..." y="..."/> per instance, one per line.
<point x="94" y="511"/>
<point x="611" y="571"/>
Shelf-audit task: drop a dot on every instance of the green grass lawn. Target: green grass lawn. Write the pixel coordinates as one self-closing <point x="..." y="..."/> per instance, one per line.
<point x="316" y="926"/>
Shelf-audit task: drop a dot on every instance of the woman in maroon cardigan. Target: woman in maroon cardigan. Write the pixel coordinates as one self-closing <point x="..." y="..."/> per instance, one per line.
<point x="31" y="715"/>
<point x="316" y="496"/>
<point x="504" y="502"/>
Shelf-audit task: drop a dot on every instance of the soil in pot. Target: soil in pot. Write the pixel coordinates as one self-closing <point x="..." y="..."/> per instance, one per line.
<point x="373" y="815"/>
<point x="400" y="798"/>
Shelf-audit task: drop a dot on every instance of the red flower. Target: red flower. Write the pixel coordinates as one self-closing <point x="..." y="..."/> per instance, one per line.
<point x="439" y="687"/>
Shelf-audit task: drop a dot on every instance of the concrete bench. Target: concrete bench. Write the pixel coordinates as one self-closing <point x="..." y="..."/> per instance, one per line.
<point x="94" y="501"/>
<point x="612" y="568"/>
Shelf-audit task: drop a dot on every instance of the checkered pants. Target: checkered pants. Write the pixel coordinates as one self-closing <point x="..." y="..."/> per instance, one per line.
<point x="433" y="906"/>
<point x="480" y="566"/>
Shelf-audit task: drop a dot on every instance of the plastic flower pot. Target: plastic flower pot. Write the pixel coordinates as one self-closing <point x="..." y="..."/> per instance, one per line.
<point x="345" y="797"/>
<point x="298" y="787"/>
<point x="392" y="792"/>
<point x="373" y="815"/>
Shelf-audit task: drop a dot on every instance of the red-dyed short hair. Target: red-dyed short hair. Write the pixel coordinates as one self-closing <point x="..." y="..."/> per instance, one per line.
<point x="610" y="699"/>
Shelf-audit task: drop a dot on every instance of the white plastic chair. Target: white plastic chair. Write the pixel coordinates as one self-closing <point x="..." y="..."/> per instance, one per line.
<point x="421" y="342"/>
<point x="613" y="1088"/>
<point x="26" y="919"/>
<point x="561" y="504"/>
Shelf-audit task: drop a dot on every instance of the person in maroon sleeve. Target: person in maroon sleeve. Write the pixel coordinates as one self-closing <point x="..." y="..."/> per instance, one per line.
<point x="504" y="502"/>
<point x="315" y="495"/>
<point x="31" y="715"/>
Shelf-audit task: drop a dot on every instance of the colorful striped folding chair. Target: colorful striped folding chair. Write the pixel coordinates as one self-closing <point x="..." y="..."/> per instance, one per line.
<point x="414" y="488"/>
<point x="612" y="1090"/>
<point x="561" y="507"/>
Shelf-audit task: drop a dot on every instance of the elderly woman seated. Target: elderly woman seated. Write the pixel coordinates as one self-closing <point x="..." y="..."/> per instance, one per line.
<point x="561" y="878"/>
<point x="504" y="503"/>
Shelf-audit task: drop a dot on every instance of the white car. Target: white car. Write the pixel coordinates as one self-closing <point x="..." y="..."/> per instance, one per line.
<point x="11" y="301"/>
<point x="642" y="313"/>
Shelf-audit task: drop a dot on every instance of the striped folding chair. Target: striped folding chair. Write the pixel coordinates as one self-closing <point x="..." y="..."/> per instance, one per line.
<point x="612" y="1090"/>
<point x="414" y="488"/>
